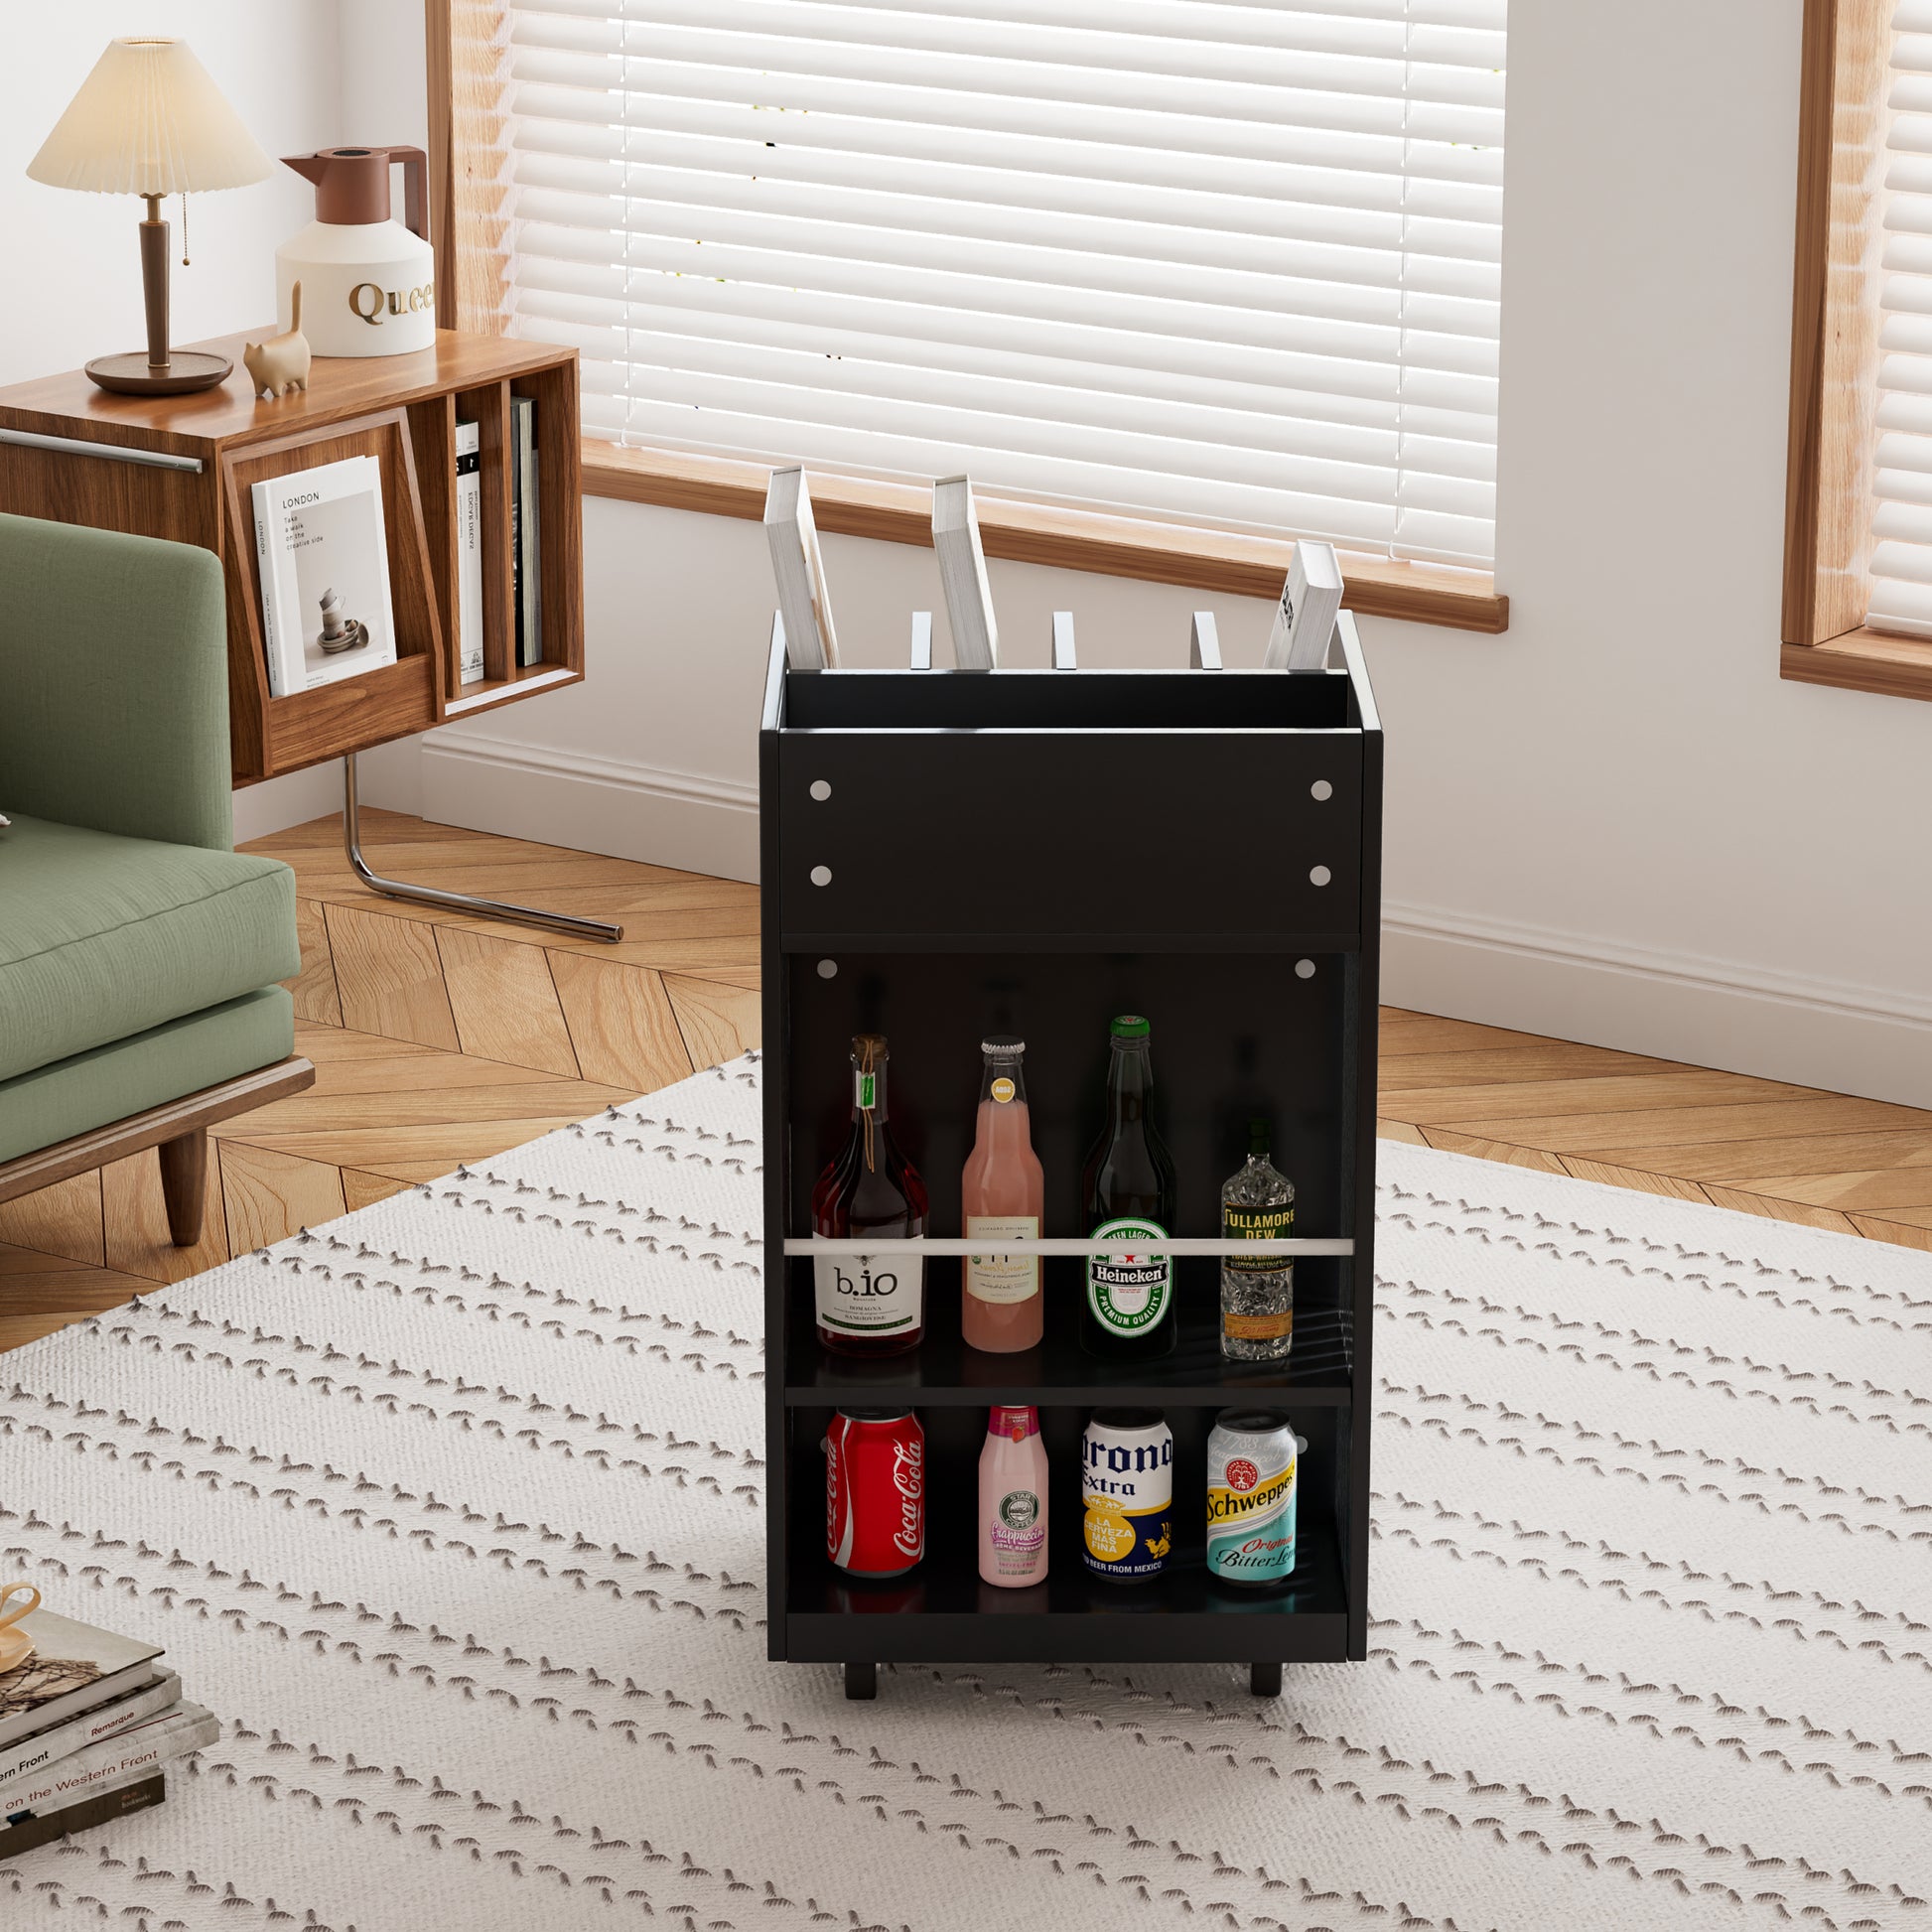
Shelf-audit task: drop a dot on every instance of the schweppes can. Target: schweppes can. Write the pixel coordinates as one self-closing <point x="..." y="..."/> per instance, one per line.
<point x="1126" y="1485"/>
<point x="1251" y="1470"/>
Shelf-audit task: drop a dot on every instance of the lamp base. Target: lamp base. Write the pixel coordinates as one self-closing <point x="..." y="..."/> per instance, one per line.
<point x="185" y="371"/>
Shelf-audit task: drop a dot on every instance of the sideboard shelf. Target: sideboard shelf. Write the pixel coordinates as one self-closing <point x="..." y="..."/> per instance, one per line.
<point x="195" y="458"/>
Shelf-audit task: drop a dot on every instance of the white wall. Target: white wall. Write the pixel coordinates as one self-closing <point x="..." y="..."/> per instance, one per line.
<point x="75" y="273"/>
<point x="1614" y="824"/>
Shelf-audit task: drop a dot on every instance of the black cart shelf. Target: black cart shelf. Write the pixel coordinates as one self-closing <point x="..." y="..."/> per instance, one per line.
<point x="949" y="853"/>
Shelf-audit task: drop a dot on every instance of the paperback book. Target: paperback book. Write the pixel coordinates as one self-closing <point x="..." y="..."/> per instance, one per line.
<point x="469" y="553"/>
<point x="805" y="608"/>
<point x="51" y="1743"/>
<point x="74" y="1668"/>
<point x="526" y="531"/>
<point x="320" y="542"/>
<point x="962" y="575"/>
<point x="24" y="1830"/>
<point x="1304" y="619"/>
<point x="114" y="1762"/>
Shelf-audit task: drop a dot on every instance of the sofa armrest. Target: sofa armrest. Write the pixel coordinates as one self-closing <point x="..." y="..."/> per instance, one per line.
<point x="114" y="683"/>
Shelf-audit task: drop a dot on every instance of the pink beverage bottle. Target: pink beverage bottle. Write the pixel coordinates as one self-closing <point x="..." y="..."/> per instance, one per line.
<point x="1012" y="1499"/>
<point x="1003" y="1193"/>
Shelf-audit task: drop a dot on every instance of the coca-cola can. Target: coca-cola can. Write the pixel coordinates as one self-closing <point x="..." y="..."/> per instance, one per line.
<point x="875" y="1491"/>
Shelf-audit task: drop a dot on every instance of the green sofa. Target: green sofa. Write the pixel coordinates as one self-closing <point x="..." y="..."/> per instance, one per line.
<point x="138" y="951"/>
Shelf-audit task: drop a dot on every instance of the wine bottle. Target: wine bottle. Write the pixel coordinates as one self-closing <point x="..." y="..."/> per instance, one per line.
<point x="869" y="1305"/>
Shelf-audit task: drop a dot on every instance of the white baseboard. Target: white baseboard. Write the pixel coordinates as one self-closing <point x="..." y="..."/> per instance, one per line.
<point x="628" y="811"/>
<point x="1848" y="1038"/>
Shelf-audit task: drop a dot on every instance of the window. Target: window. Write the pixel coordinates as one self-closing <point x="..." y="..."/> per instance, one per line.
<point x="1858" y="589"/>
<point x="1900" y="482"/>
<point x="1229" y="266"/>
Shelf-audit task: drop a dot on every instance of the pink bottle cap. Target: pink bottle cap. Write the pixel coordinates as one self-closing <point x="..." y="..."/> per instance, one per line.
<point x="1017" y="1421"/>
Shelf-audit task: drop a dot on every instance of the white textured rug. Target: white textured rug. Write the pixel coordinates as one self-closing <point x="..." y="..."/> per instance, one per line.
<point x="453" y="1513"/>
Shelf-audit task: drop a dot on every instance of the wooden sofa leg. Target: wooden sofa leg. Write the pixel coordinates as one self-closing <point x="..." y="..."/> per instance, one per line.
<point x="184" y="1184"/>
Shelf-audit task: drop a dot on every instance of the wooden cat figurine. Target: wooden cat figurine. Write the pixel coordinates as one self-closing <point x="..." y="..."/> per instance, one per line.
<point x="280" y="363"/>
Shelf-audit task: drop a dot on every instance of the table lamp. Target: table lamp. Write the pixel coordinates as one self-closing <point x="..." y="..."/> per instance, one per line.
<point x="149" y="121"/>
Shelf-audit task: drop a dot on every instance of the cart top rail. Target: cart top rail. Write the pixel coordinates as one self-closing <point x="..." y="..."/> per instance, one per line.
<point x="1185" y="698"/>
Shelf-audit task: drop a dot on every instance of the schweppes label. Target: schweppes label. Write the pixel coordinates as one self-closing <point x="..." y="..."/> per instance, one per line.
<point x="1251" y="1524"/>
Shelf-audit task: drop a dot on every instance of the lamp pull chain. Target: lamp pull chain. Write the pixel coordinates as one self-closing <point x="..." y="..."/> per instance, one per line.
<point x="184" y="227"/>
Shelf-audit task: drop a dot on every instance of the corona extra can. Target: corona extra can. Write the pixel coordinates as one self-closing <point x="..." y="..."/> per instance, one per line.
<point x="1127" y="1486"/>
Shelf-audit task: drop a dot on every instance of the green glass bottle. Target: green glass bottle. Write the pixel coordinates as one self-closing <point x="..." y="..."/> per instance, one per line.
<point x="1128" y="1190"/>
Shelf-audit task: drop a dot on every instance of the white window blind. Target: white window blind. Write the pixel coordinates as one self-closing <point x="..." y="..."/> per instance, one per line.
<point x="1901" y="482"/>
<point x="1231" y="264"/>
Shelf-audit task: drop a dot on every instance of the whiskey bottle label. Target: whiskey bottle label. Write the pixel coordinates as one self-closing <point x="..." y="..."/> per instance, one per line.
<point x="1002" y="1278"/>
<point x="1258" y="1224"/>
<point x="1276" y="1326"/>
<point x="1128" y="1295"/>
<point x="870" y="1295"/>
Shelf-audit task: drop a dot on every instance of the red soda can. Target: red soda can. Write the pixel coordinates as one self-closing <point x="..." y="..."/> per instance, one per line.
<point x="875" y="1491"/>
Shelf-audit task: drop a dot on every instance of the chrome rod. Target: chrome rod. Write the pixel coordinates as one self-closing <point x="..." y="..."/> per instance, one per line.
<point x="482" y="909"/>
<point x="29" y="438"/>
<point x="1058" y="1245"/>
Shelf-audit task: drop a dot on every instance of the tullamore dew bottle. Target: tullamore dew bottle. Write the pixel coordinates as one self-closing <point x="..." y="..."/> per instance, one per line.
<point x="1128" y="1191"/>
<point x="1256" y="1292"/>
<point x="870" y="1304"/>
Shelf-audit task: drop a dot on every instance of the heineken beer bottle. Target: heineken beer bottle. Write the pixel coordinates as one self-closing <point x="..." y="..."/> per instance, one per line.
<point x="1128" y="1191"/>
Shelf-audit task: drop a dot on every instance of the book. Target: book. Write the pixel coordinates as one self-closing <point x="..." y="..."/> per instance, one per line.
<point x="1304" y="619"/>
<point x="526" y="531"/>
<point x="34" y="1829"/>
<point x="74" y="1668"/>
<point x="42" y="1748"/>
<point x="962" y="575"/>
<point x="136" y="1753"/>
<point x="469" y="553"/>
<point x="322" y="543"/>
<point x="804" y="608"/>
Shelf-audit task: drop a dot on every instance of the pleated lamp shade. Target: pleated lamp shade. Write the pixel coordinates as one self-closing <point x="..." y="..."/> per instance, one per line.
<point x="148" y="120"/>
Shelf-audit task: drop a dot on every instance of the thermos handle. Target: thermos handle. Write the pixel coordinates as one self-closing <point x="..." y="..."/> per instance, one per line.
<point x="415" y="189"/>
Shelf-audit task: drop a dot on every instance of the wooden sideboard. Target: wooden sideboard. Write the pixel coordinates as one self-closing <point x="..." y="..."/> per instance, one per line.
<point x="180" y="466"/>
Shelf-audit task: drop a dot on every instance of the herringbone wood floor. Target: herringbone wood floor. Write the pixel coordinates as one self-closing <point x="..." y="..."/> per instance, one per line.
<point x="439" y="1038"/>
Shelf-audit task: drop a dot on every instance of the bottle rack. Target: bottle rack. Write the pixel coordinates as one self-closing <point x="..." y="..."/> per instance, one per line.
<point x="950" y="853"/>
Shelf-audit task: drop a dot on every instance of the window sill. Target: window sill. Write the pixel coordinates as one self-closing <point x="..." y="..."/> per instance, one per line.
<point x="1863" y="660"/>
<point x="1030" y="533"/>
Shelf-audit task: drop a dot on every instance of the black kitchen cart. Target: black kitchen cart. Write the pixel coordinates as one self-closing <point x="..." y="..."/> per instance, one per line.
<point x="948" y="853"/>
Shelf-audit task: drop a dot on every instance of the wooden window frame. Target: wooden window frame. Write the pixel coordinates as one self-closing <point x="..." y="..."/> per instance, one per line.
<point x="465" y="49"/>
<point x="1835" y="359"/>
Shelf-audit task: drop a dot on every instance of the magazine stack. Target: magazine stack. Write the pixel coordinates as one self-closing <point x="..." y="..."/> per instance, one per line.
<point x="88" y="1721"/>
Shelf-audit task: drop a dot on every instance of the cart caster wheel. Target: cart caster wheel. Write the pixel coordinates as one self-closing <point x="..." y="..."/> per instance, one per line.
<point x="861" y="1680"/>
<point x="1264" y="1680"/>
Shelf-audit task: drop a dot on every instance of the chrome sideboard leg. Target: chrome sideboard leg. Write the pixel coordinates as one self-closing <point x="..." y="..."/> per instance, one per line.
<point x="482" y="909"/>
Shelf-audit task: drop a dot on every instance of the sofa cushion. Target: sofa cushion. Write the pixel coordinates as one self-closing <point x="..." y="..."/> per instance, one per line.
<point x="103" y="936"/>
<point x="180" y="1056"/>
